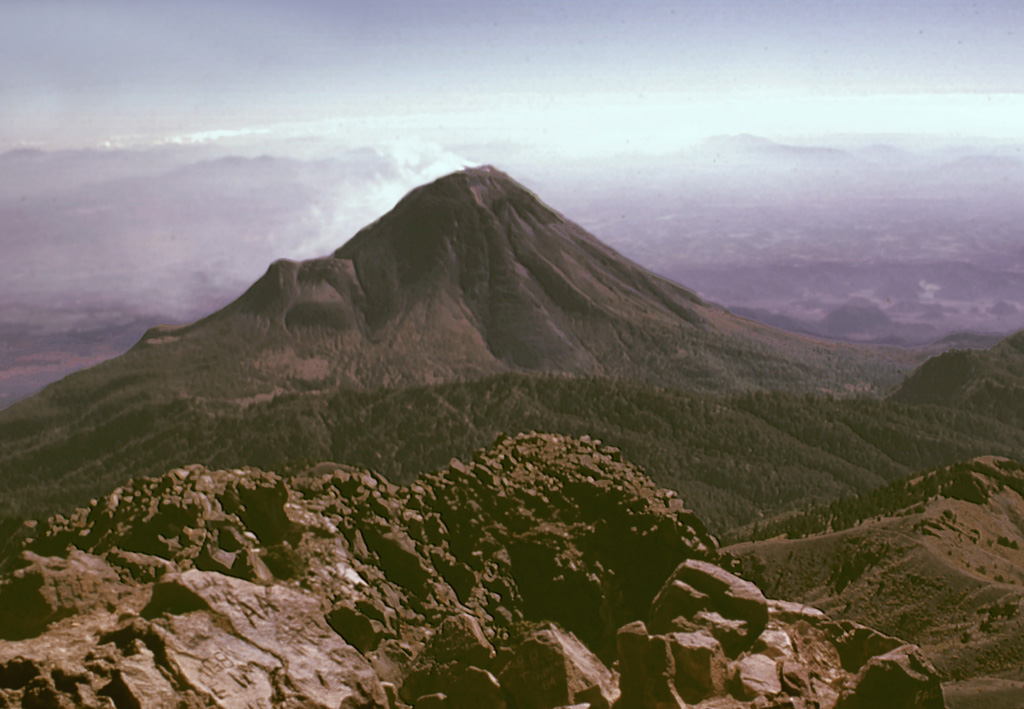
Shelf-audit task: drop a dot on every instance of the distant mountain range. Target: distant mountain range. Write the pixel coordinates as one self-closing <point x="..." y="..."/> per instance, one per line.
<point x="794" y="231"/>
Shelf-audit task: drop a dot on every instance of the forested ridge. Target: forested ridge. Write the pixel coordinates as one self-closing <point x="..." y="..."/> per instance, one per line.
<point x="732" y="458"/>
<point x="909" y="494"/>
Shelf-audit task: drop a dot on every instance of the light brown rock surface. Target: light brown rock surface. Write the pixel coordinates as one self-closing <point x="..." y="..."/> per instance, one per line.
<point x="518" y="579"/>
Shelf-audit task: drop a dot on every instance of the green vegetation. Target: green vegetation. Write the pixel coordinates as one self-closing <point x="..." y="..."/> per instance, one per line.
<point x="957" y="481"/>
<point x="732" y="458"/>
<point x="990" y="382"/>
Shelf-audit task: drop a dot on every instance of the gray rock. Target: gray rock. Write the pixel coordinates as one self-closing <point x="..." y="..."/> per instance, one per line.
<point x="550" y="667"/>
<point x="899" y="679"/>
<point x="700" y="665"/>
<point x="756" y="676"/>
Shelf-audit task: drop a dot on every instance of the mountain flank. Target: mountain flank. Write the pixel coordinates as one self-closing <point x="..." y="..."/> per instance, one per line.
<point x="935" y="558"/>
<point x="989" y="381"/>
<point x="735" y="459"/>
<point x="548" y="572"/>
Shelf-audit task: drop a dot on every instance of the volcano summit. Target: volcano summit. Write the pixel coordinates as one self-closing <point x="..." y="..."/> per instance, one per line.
<point x="469" y="276"/>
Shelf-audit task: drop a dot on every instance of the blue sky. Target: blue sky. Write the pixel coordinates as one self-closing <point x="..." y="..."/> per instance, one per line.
<point x="647" y="74"/>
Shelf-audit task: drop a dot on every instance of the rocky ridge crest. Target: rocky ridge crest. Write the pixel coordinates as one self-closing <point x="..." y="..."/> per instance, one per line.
<point x="532" y="576"/>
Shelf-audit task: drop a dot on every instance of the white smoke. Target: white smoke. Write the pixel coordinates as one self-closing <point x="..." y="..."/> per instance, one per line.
<point x="179" y="232"/>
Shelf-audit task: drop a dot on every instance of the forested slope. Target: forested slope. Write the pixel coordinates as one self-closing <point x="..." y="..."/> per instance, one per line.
<point x="732" y="458"/>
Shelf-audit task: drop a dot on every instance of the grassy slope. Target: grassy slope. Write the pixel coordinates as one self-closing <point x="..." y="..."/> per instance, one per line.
<point x="937" y="559"/>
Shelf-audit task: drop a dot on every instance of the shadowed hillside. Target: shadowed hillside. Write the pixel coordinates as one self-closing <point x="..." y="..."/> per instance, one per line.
<point x="935" y="558"/>
<point x="733" y="457"/>
<point x="986" y="381"/>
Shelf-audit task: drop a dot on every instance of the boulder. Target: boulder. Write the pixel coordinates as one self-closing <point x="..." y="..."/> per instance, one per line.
<point x="899" y="679"/>
<point x="137" y="682"/>
<point x="646" y="670"/>
<point x="50" y="588"/>
<point x="698" y="591"/>
<point x="775" y="643"/>
<point x="476" y="689"/>
<point x="732" y="633"/>
<point x="358" y="630"/>
<point x="857" y="643"/>
<point x="457" y="644"/>
<point x="796" y="678"/>
<point x="17" y="672"/>
<point x="230" y="641"/>
<point x="676" y="599"/>
<point x="551" y="667"/>
<point x="756" y="676"/>
<point x="700" y="665"/>
<point x="400" y="560"/>
<point x="461" y="638"/>
<point x="791" y="612"/>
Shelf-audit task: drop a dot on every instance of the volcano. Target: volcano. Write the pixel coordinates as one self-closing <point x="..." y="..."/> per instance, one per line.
<point x="469" y="276"/>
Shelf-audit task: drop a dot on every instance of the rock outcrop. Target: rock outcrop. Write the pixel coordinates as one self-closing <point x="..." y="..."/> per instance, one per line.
<point x="545" y="573"/>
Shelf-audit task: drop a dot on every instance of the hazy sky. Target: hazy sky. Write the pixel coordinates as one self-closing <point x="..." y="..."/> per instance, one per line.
<point x="583" y="76"/>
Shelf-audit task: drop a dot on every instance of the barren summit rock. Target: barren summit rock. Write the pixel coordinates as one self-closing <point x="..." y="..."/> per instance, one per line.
<point x="516" y="579"/>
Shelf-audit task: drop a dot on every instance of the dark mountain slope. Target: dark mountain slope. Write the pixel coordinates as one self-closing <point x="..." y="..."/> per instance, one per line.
<point x="990" y="381"/>
<point x="935" y="558"/>
<point x="467" y="276"/>
<point x="733" y="458"/>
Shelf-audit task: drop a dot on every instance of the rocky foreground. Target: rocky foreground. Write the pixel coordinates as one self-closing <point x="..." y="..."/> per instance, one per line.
<point x="546" y="573"/>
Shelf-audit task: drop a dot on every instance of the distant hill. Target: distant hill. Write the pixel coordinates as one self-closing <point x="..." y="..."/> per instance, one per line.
<point x="936" y="558"/>
<point x="989" y="382"/>
<point x="750" y="150"/>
